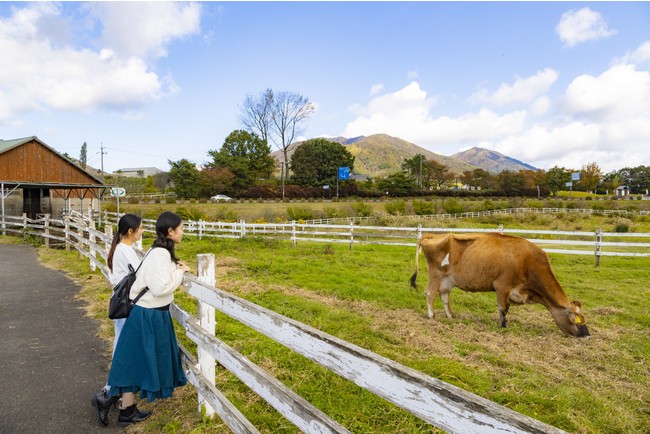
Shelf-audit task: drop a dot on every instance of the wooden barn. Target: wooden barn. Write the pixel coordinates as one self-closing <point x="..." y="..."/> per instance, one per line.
<point x="35" y="179"/>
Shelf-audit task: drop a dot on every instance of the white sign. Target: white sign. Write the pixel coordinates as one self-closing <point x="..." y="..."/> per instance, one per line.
<point x="569" y="184"/>
<point x="118" y="191"/>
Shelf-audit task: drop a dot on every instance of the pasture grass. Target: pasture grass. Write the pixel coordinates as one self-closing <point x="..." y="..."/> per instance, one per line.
<point x="362" y="295"/>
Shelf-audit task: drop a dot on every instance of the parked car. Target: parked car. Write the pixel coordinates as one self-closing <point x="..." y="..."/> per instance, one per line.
<point x="221" y="198"/>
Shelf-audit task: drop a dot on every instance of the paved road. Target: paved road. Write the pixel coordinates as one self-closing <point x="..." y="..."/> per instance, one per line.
<point x="51" y="361"/>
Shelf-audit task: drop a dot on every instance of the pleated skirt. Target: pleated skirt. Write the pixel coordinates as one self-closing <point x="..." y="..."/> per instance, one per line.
<point x="147" y="358"/>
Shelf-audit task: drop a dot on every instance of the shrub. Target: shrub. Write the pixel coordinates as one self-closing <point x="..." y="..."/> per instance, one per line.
<point x="110" y="207"/>
<point x="190" y="213"/>
<point x="203" y="200"/>
<point x="452" y="206"/>
<point x="299" y="213"/>
<point x="133" y="200"/>
<point x="170" y="200"/>
<point x="622" y="225"/>
<point x="589" y="198"/>
<point x="396" y="207"/>
<point x="332" y="212"/>
<point x="361" y="209"/>
<point x="421" y="207"/>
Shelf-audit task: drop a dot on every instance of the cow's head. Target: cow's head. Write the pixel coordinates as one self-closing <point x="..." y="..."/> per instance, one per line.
<point x="571" y="321"/>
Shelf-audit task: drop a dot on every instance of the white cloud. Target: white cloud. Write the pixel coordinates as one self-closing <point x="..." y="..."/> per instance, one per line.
<point x="640" y="57"/>
<point x="621" y="92"/>
<point x="523" y="90"/>
<point x="376" y="88"/>
<point x="582" y="25"/>
<point x="145" y="28"/>
<point x="405" y="114"/>
<point x="40" y="71"/>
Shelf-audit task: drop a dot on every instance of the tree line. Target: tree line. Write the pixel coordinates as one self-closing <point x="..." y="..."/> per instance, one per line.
<point x="243" y="166"/>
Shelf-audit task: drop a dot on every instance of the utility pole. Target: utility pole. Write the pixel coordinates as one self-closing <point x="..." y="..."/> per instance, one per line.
<point x="102" y="153"/>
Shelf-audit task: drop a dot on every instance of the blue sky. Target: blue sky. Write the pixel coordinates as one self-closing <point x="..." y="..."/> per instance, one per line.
<point x="549" y="83"/>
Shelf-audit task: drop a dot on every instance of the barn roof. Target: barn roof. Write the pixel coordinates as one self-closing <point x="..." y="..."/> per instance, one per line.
<point x="7" y="145"/>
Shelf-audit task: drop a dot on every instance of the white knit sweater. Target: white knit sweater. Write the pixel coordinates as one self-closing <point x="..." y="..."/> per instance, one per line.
<point x="161" y="275"/>
<point x="122" y="257"/>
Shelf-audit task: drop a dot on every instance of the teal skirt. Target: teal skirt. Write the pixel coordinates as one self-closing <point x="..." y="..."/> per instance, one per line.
<point x="147" y="358"/>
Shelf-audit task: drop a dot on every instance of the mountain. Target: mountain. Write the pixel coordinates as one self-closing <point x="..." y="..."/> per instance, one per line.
<point x="381" y="155"/>
<point x="491" y="161"/>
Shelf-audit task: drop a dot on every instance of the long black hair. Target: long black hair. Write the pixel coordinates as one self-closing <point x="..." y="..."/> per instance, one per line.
<point x="127" y="221"/>
<point x="166" y="221"/>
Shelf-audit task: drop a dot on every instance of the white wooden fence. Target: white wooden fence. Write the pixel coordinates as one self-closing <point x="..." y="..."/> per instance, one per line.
<point x="434" y="401"/>
<point x="596" y="243"/>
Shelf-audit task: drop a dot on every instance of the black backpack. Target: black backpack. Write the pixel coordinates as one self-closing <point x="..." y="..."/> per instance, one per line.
<point x="120" y="304"/>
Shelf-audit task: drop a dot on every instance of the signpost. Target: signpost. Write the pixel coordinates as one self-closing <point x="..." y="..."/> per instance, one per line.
<point x="118" y="192"/>
<point x="344" y="174"/>
<point x="575" y="176"/>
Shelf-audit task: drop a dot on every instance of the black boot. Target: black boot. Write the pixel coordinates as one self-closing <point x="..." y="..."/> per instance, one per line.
<point x="102" y="403"/>
<point x="132" y="415"/>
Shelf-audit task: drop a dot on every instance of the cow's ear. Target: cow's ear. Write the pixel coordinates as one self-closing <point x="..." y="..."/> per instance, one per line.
<point x="577" y="305"/>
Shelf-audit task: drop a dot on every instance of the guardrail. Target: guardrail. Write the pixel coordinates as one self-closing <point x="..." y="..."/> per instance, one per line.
<point x="434" y="401"/>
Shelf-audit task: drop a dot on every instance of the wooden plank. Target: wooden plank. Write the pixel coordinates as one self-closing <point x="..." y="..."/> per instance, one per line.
<point x="296" y="409"/>
<point x="231" y="416"/>
<point x="443" y="405"/>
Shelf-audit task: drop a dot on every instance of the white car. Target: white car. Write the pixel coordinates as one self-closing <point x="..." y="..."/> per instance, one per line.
<point x="221" y="198"/>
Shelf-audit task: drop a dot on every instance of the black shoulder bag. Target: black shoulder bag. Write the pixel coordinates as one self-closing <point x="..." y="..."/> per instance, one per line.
<point x="120" y="304"/>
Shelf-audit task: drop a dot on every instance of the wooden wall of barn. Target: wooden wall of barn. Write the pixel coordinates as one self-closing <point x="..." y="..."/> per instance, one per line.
<point x="33" y="162"/>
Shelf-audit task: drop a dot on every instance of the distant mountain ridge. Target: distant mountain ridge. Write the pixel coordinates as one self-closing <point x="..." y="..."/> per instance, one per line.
<point x="381" y="155"/>
<point x="491" y="161"/>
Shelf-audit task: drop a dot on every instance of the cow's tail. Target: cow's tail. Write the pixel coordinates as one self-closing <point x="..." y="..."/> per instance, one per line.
<point x="415" y="274"/>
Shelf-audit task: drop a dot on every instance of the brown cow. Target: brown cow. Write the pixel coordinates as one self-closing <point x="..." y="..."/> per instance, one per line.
<point x="516" y="269"/>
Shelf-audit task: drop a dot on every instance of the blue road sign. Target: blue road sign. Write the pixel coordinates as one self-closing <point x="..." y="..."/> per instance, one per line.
<point x="344" y="173"/>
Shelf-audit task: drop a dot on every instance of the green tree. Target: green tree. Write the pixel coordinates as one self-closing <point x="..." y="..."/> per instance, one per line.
<point x="246" y="156"/>
<point x="161" y="181"/>
<point x="556" y="178"/>
<point x="316" y="162"/>
<point x="83" y="155"/>
<point x="397" y="184"/>
<point x="216" y="180"/>
<point x="637" y="178"/>
<point x="510" y="182"/>
<point x="185" y="177"/>
<point x="437" y="174"/>
<point x="416" y="167"/>
<point x="591" y="175"/>
<point x="478" y="178"/>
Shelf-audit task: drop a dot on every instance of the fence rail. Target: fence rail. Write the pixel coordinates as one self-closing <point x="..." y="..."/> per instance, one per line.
<point x="434" y="401"/>
<point x="564" y="242"/>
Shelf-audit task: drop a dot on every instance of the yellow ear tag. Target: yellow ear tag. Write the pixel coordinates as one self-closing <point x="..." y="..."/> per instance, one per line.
<point x="578" y="320"/>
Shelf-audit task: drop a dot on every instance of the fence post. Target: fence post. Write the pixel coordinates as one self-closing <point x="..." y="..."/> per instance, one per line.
<point x="91" y="244"/>
<point x="108" y="231"/>
<point x="501" y="229"/>
<point x="243" y="228"/>
<point x="200" y="228"/>
<point x="419" y="231"/>
<point x="24" y="225"/>
<point x="80" y="231"/>
<point x="293" y="233"/>
<point x="46" y="227"/>
<point x="66" y="232"/>
<point x="351" y="233"/>
<point x="206" y="274"/>
<point x="599" y="240"/>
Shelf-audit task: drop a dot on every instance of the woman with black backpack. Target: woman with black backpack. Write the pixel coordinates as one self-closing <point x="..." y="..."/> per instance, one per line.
<point x="147" y="358"/>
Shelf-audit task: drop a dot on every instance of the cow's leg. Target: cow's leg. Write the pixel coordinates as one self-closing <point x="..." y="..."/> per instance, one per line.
<point x="430" y="293"/>
<point x="503" y="302"/>
<point x="446" y="286"/>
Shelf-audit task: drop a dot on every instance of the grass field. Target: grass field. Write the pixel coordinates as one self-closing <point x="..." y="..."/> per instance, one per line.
<point x="597" y="385"/>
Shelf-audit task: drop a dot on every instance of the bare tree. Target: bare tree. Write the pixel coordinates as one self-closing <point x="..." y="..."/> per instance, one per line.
<point x="288" y="113"/>
<point x="255" y="113"/>
<point x="276" y="116"/>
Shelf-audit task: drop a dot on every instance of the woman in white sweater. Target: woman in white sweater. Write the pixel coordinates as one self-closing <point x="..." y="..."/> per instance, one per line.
<point x="147" y="358"/>
<point x="120" y="256"/>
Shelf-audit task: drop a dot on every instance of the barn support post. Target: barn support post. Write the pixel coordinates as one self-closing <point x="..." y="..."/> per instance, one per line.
<point x="599" y="240"/>
<point x="46" y="227"/>
<point x="206" y="313"/>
